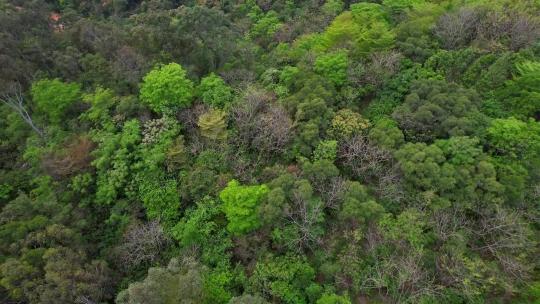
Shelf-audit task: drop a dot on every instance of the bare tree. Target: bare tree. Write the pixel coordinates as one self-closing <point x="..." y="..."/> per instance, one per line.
<point x="458" y="28"/>
<point x="262" y="125"/>
<point x="306" y="214"/>
<point x="143" y="243"/>
<point x="84" y="300"/>
<point x="504" y="235"/>
<point x="14" y="99"/>
<point x="332" y="192"/>
<point x="365" y="159"/>
<point x="523" y="31"/>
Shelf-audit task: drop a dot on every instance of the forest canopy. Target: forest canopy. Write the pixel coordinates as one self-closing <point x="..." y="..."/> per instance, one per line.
<point x="284" y="152"/>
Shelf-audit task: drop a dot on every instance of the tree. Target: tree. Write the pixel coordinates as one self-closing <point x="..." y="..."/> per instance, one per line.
<point x="114" y="158"/>
<point x="283" y="277"/>
<point x="214" y="91"/>
<point x="514" y="138"/>
<point x="166" y="88"/>
<point x="142" y="243"/>
<point x="347" y="123"/>
<point x="450" y="172"/>
<point x="248" y="299"/>
<point x="386" y="134"/>
<point x="180" y="282"/>
<point x="436" y="109"/>
<point x="53" y="97"/>
<point x="332" y="298"/>
<point x="326" y="150"/>
<point x="333" y="66"/>
<point x="240" y="205"/>
<point x="524" y="99"/>
<point x="15" y="100"/>
<point x="397" y="6"/>
<point x="213" y="125"/>
<point x="261" y="124"/>
<point x="363" y="30"/>
<point x="265" y="27"/>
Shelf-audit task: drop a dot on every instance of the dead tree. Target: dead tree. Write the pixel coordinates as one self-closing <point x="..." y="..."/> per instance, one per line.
<point x="15" y="100"/>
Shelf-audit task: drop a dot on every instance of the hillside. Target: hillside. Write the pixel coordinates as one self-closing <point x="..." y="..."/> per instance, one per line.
<point x="258" y="152"/>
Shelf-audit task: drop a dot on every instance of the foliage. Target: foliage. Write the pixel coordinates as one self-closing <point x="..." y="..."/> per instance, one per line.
<point x="213" y="125"/>
<point x="443" y="172"/>
<point x="166" y="87"/>
<point x="214" y="92"/>
<point x="386" y="134"/>
<point x="436" y="109"/>
<point x="363" y="29"/>
<point x="269" y="151"/>
<point x="326" y="150"/>
<point x="113" y="159"/>
<point x="239" y="205"/>
<point x="285" y="278"/>
<point x="347" y="123"/>
<point x="333" y="67"/>
<point x="180" y="282"/>
<point x="53" y="97"/>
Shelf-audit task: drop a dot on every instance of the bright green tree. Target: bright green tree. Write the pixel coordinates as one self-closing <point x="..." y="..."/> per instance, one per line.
<point x="166" y="87"/>
<point x="363" y="29"/>
<point x="285" y="278"/>
<point x="214" y="91"/>
<point x="332" y="298"/>
<point x="333" y="66"/>
<point x="514" y="138"/>
<point x="240" y="206"/>
<point x="53" y="97"/>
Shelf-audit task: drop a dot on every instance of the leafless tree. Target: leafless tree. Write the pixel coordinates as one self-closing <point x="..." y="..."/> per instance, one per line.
<point x="84" y="300"/>
<point x="305" y="215"/>
<point x="382" y="65"/>
<point x="404" y="267"/>
<point x="333" y="191"/>
<point x="262" y="125"/>
<point x="523" y="31"/>
<point x="143" y="243"/>
<point x="14" y="99"/>
<point x="458" y="28"/>
<point x="273" y="130"/>
<point x="504" y="235"/>
<point x="365" y="159"/>
<point x="494" y="26"/>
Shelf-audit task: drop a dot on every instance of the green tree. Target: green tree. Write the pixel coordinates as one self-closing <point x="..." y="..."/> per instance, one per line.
<point x="53" y="97"/>
<point x="214" y="91"/>
<point x="283" y="277"/>
<point x="265" y="27"/>
<point x="363" y="29"/>
<point x="240" y="206"/>
<point x="333" y="67"/>
<point x="524" y="99"/>
<point x="449" y="172"/>
<point x="166" y="88"/>
<point x="386" y="134"/>
<point x="437" y="109"/>
<point x="326" y="150"/>
<point x="332" y="298"/>
<point x="180" y="282"/>
<point x="514" y="138"/>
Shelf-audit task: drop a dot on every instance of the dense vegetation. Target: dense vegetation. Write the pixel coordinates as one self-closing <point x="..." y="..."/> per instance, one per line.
<point x="254" y="151"/>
